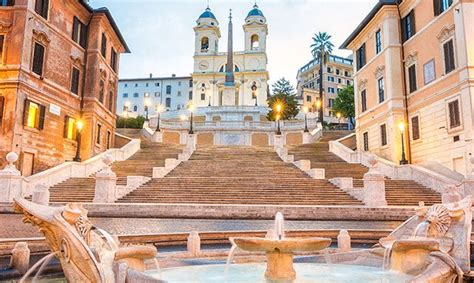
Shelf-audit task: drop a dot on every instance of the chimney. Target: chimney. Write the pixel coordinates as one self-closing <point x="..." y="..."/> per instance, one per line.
<point x="173" y="75"/>
<point x="151" y="75"/>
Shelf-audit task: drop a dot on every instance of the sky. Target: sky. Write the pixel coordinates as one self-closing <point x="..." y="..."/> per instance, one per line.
<point x="161" y="37"/>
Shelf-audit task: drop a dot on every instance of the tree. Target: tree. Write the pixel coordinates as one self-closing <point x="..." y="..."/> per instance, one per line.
<point x="321" y="49"/>
<point x="344" y="103"/>
<point x="283" y="93"/>
<point x="133" y="123"/>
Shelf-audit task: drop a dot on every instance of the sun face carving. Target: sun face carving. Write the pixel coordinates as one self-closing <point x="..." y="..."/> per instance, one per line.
<point x="439" y="220"/>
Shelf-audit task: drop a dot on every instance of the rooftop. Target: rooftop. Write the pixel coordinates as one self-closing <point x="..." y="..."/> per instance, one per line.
<point x="332" y="58"/>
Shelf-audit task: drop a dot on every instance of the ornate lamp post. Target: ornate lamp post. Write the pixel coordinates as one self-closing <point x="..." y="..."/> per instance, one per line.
<point x="147" y="106"/>
<point x="191" y="109"/>
<point x="79" y="126"/>
<point x="401" y="126"/>
<point x="278" y="109"/>
<point x="254" y="92"/>
<point x="159" y="109"/>
<point x="305" y="110"/>
<point x="338" y="115"/>
<point x="209" y="101"/>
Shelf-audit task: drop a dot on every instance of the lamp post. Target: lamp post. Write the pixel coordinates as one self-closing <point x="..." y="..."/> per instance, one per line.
<point x="278" y="108"/>
<point x="305" y="110"/>
<point x="147" y="106"/>
<point x="338" y="115"/>
<point x="79" y="126"/>
<point x="209" y="101"/>
<point x="191" y="109"/>
<point x="401" y="126"/>
<point x="159" y="108"/>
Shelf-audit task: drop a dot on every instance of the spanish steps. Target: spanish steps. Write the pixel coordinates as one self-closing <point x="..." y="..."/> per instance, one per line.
<point x="140" y="164"/>
<point x="398" y="192"/>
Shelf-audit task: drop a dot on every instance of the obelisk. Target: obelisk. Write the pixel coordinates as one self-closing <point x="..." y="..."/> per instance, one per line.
<point x="229" y="92"/>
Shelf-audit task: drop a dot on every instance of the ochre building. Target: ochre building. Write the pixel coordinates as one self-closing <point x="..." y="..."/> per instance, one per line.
<point x="59" y="65"/>
<point x="414" y="65"/>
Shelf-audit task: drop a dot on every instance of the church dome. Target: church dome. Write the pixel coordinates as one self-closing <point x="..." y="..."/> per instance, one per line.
<point x="255" y="12"/>
<point x="207" y="14"/>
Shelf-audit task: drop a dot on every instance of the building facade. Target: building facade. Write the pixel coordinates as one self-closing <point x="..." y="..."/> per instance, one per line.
<point x="59" y="65"/>
<point x="139" y="96"/>
<point x="337" y="74"/>
<point x="414" y="68"/>
<point x="250" y="65"/>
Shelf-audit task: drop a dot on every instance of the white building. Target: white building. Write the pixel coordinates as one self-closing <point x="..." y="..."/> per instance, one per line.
<point x="250" y="76"/>
<point x="136" y="95"/>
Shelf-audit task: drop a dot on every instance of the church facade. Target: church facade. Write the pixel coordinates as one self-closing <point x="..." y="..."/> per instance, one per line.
<point x="248" y="77"/>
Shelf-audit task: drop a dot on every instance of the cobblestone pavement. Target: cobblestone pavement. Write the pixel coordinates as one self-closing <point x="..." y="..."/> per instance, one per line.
<point x="11" y="225"/>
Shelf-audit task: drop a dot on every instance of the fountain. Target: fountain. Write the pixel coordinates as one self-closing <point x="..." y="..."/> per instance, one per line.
<point x="280" y="250"/>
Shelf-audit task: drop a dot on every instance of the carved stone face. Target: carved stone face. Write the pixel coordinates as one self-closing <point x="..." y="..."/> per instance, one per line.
<point x="439" y="220"/>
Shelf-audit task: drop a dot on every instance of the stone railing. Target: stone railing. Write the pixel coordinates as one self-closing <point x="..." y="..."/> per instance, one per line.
<point x="68" y="170"/>
<point x="394" y="171"/>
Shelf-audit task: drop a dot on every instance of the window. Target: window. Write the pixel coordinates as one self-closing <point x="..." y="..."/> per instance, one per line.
<point x="103" y="46"/>
<point x="412" y="78"/>
<point x="339" y="81"/>
<point x="203" y="96"/>
<point x="415" y="128"/>
<point x="254" y="42"/>
<point x="338" y="71"/>
<point x="331" y="90"/>
<point x="179" y="93"/>
<point x="69" y="128"/>
<point x="146" y="84"/>
<point x="111" y="100"/>
<point x="168" y="102"/>
<point x="331" y="79"/>
<point x="205" y="44"/>
<point x="381" y="91"/>
<point x="75" y="80"/>
<point x="38" y="59"/>
<point x="41" y="7"/>
<point x="454" y="115"/>
<point x="360" y="57"/>
<point x="157" y="84"/>
<point x="378" y="42"/>
<point x="135" y="108"/>
<point x="308" y="98"/>
<point x="448" y="51"/>
<point x="136" y="85"/>
<point x="348" y="82"/>
<point x="168" y="89"/>
<point x="135" y="94"/>
<point x="108" y="139"/>
<point x="366" y="141"/>
<point x="363" y="100"/>
<point x="190" y="83"/>
<point x="2" y="42"/>
<point x="157" y="94"/>
<point x="383" y="134"/>
<point x="33" y="115"/>
<point x="329" y="69"/>
<point x="113" y="59"/>
<point x="101" y="91"/>
<point x="7" y="2"/>
<point x="408" y="26"/>
<point x="97" y="134"/>
<point x="179" y="83"/>
<point x="125" y="95"/>
<point x="145" y="108"/>
<point x="79" y="32"/>
<point x="441" y="5"/>
<point x="146" y="94"/>
<point x="190" y="95"/>
<point x="347" y="74"/>
<point x="126" y="85"/>
<point x="2" y="105"/>
<point x="330" y="102"/>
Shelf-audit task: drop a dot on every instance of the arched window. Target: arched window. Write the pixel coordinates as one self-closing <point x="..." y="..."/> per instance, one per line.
<point x="205" y="43"/>
<point x="254" y="42"/>
<point x="168" y="102"/>
<point x="135" y="108"/>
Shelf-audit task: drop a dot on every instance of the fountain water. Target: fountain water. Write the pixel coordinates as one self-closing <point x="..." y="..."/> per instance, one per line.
<point x="279" y="226"/>
<point x="41" y="263"/>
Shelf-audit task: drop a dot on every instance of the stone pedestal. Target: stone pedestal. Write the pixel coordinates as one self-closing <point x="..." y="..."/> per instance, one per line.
<point x="374" y="186"/>
<point x="307" y="138"/>
<point x="278" y="141"/>
<point x="344" y="241"/>
<point x="157" y="136"/>
<point x="106" y="183"/>
<point x="41" y="194"/>
<point x="280" y="266"/>
<point x="191" y="142"/>
<point x="229" y="95"/>
<point x="10" y="180"/>
<point x="20" y="259"/>
<point x="194" y="244"/>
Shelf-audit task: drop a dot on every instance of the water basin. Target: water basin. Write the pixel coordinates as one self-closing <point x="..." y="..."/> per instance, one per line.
<point x="306" y="272"/>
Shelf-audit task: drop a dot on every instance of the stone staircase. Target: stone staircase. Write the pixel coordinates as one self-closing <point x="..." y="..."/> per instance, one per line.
<point x="398" y="192"/>
<point x="238" y="175"/>
<point x="140" y="164"/>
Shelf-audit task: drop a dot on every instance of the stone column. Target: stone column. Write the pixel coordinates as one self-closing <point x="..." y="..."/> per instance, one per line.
<point x="10" y="180"/>
<point x="106" y="183"/>
<point x="194" y="244"/>
<point x="374" y="186"/>
<point x="20" y="259"/>
<point x="41" y="194"/>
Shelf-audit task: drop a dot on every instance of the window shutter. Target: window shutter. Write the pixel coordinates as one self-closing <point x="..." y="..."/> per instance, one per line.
<point x="26" y="111"/>
<point x="75" y="29"/>
<point x="38" y="58"/>
<point x="2" y="105"/>
<point x="45" y="8"/>
<point x="41" y="117"/>
<point x="437" y="7"/>
<point x="84" y="33"/>
<point x="412" y="23"/>
<point x="415" y="128"/>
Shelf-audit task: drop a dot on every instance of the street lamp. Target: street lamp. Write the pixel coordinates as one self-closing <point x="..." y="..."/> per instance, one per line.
<point x="318" y="106"/>
<point x="209" y="101"/>
<point x="191" y="109"/>
<point x="305" y="110"/>
<point x="401" y="126"/>
<point x="147" y="105"/>
<point x="159" y="109"/>
<point x="338" y="115"/>
<point x="79" y="126"/>
<point x="278" y="108"/>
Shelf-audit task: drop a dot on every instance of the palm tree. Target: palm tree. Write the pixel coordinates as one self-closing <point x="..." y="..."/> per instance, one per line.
<point x="321" y="49"/>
